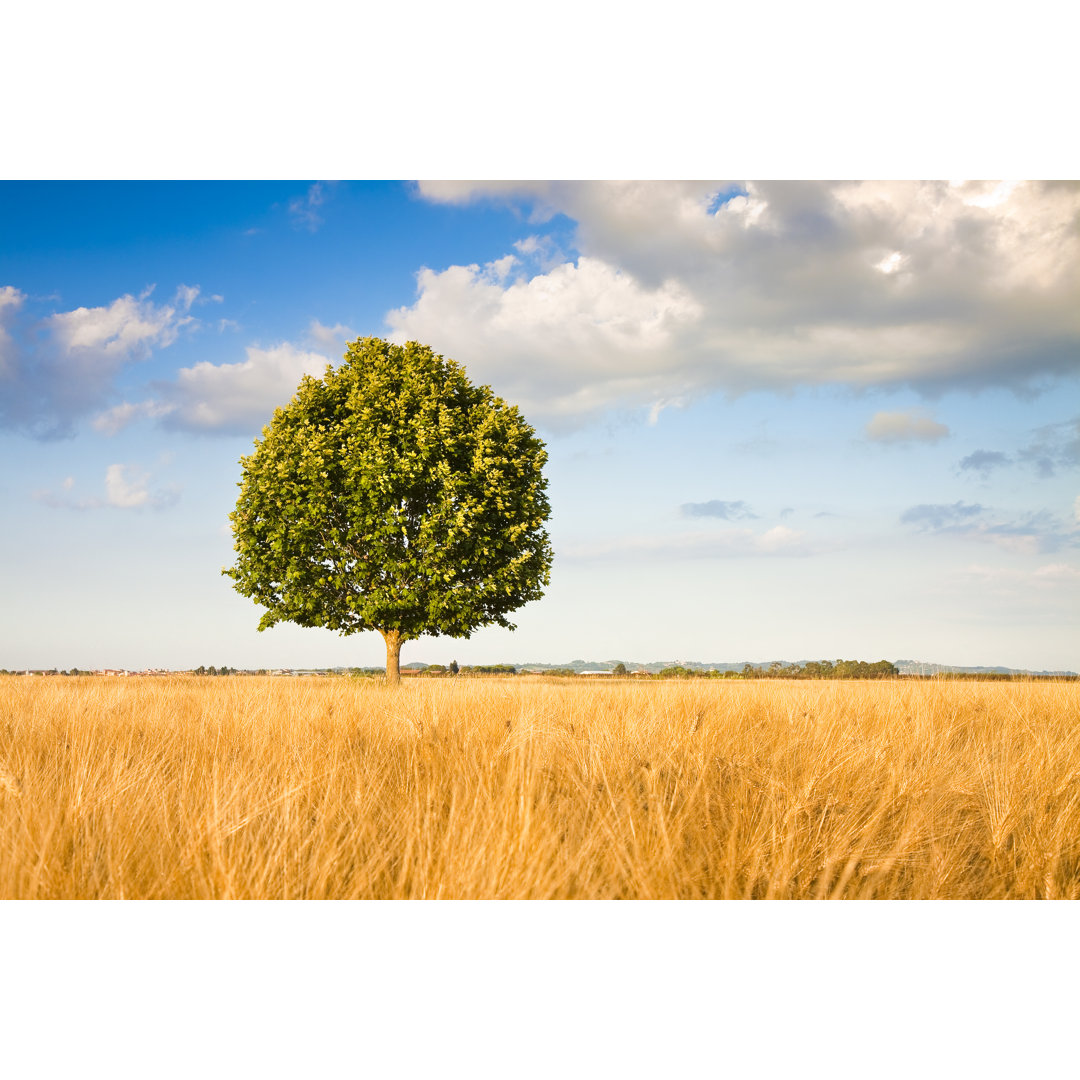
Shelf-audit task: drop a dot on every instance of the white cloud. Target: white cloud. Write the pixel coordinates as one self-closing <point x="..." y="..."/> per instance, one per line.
<point x="330" y="339"/>
<point x="1055" y="573"/>
<point x="186" y="295"/>
<point x="127" y="487"/>
<point x="566" y="342"/>
<point x="780" y="540"/>
<point x="543" y="251"/>
<point x="119" y="416"/>
<point x="74" y="357"/>
<point x="891" y="263"/>
<point x="730" y="543"/>
<point x="1049" y="577"/>
<point x="1016" y="543"/>
<point x="903" y="427"/>
<point x="10" y="298"/>
<point x="304" y="210"/>
<point x="982" y="193"/>
<point x="238" y="397"/>
<point x="765" y="285"/>
<point x="126" y="328"/>
<point x="657" y="407"/>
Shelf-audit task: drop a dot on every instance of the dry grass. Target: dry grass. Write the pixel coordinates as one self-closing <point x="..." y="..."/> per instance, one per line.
<point x="500" y="788"/>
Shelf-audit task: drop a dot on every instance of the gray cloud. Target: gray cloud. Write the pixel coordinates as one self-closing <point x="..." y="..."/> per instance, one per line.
<point x="57" y="369"/>
<point x="1053" y="447"/>
<point x="938" y="516"/>
<point x="685" y="288"/>
<point x="728" y="511"/>
<point x="11" y="301"/>
<point x="1038" y="532"/>
<point x="1056" y="446"/>
<point x="985" y="461"/>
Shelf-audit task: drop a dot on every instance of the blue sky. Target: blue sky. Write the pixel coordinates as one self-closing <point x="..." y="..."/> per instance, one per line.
<point x="785" y="420"/>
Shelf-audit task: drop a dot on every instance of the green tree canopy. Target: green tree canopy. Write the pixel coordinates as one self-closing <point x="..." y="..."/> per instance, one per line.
<point x="393" y="495"/>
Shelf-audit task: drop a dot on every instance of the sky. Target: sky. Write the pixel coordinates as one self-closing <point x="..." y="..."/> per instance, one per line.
<point x="786" y="420"/>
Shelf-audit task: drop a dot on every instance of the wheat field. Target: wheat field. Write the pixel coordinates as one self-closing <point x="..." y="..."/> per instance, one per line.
<point x="248" y="787"/>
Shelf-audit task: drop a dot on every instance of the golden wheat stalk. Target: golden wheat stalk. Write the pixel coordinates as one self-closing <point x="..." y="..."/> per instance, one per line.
<point x="527" y="787"/>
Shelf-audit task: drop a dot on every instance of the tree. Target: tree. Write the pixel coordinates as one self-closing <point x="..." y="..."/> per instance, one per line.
<point x="676" y="671"/>
<point x="619" y="669"/>
<point x="393" y="495"/>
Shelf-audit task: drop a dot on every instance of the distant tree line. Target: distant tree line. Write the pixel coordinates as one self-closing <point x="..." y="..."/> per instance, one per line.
<point x="815" y="669"/>
<point x="824" y="669"/>
<point x="436" y="671"/>
<point x="818" y="669"/>
<point x="45" y="671"/>
<point x="677" y="671"/>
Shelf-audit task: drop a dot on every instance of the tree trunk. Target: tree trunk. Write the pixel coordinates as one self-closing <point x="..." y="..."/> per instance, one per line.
<point x="393" y="652"/>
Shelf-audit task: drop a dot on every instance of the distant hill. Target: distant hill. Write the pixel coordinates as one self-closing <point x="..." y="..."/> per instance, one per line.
<point x="654" y="666"/>
<point x="921" y="667"/>
<point x="905" y="667"/>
